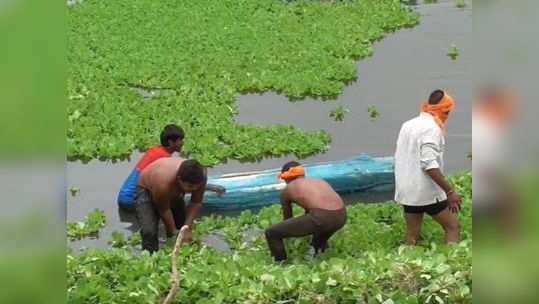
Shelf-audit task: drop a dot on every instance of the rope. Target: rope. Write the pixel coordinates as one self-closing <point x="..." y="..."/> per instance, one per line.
<point x="174" y="277"/>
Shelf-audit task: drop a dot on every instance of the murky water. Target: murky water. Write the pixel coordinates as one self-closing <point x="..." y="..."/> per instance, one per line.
<point x="405" y="68"/>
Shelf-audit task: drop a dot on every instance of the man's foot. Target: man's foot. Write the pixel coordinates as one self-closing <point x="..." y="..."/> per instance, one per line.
<point x="282" y="262"/>
<point x="310" y="254"/>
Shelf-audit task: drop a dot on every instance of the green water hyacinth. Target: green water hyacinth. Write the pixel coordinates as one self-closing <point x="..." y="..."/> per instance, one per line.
<point x="90" y="227"/>
<point x="339" y="113"/>
<point x="137" y="66"/>
<point x="374" y="112"/>
<point x="366" y="263"/>
<point x="453" y="52"/>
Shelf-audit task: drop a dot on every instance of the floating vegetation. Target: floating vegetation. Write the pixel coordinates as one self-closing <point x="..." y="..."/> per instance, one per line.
<point x="206" y="53"/>
<point x="74" y="191"/>
<point x="90" y="227"/>
<point x="339" y="113"/>
<point x="374" y="113"/>
<point x="365" y="260"/>
<point x="453" y="52"/>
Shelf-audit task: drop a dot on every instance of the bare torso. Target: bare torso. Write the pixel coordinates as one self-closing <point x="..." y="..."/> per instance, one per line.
<point x="313" y="194"/>
<point x="160" y="178"/>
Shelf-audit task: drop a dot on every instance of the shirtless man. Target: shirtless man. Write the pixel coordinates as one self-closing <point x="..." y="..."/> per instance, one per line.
<point x="325" y="212"/>
<point x="160" y="194"/>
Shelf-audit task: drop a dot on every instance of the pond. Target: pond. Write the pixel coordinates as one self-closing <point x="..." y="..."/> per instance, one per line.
<point x="405" y="68"/>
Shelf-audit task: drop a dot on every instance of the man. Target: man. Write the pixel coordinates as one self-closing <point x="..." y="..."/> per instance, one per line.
<point x="325" y="212"/>
<point x="160" y="194"/>
<point x="420" y="184"/>
<point x="171" y="139"/>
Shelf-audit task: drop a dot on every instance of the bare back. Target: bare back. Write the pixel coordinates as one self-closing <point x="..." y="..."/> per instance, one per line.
<point x="160" y="177"/>
<point x="313" y="194"/>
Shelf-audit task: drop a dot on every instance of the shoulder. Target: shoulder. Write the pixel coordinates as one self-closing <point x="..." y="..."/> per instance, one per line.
<point x="426" y="125"/>
<point x="411" y="124"/>
<point x="156" y="151"/>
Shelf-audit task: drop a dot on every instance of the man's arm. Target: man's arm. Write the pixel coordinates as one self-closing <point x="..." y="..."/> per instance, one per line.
<point x="220" y="190"/>
<point x="195" y="206"/>
<point x="286" y="204"/>
<point x="430" y="152"/>
<point x="163" y="206"/>
<point x="453" y="198"/>
<point x="437" y="176"/>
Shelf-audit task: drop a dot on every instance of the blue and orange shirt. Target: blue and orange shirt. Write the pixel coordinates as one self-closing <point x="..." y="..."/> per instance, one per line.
<point x="126" y="197"/>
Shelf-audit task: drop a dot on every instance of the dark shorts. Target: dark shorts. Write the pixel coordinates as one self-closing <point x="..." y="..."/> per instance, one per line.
<point x="433" y="209"/>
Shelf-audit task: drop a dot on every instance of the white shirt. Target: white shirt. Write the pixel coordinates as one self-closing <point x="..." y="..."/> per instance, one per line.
<point x="420" y="147"/>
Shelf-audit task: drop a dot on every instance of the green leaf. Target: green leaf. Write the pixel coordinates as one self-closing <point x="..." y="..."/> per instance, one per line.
<point x="331" y="282"/>
<point x="453" y="52"/>
<point x="74" y="191"/>
<point x="339" y="113"/>
<point x="205" y="55"/>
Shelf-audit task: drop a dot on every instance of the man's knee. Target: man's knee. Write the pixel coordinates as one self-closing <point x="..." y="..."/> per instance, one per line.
<point x="271" y="233"/>
<point x="149" y="234"/>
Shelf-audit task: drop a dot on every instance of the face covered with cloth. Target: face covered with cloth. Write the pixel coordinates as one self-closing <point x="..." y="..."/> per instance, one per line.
<point x="441" y="110"/>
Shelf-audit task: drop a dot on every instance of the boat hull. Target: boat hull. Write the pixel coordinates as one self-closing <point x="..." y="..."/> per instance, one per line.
<point x="254" y="190"/>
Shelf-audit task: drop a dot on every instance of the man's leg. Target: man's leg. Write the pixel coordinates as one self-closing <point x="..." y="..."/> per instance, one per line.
<point x="129" y="216"/>
<point x="334" y="221"/>
<point x="320" y="241"/>
<point x="148" y="219"/>
<point x="414" y="221"/>
<point x="450" y="222"/>
<point x="294" y="227"/>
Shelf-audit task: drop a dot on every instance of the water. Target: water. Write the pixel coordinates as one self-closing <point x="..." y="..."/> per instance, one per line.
<point x="405" y="68"/>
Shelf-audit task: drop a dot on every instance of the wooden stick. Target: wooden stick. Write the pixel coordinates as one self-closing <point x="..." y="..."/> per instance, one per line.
<point x="174" y="277"/>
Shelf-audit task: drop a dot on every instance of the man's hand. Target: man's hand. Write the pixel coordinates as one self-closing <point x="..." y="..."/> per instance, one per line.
<point x="454" y="201"/>
<point x="186" y="238"/>
<point x="187" y="235"/>
<point x="172" y="234"/>
<point x="220" y="190"/>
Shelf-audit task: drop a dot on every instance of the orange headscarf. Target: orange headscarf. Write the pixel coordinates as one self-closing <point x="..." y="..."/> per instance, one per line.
<point x="439" y="111"/>
<point x="292" y="173"/>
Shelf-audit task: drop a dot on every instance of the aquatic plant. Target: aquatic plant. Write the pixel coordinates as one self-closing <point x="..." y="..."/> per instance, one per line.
<point x="339" y="113"/>
<point x="90" y="227"/>
<point x="74" y="191"/>
<point x="135" y="67"/>
<point x="453" y="52"/>
<point x="374" y="113"/>
<point x="365" y="262"/>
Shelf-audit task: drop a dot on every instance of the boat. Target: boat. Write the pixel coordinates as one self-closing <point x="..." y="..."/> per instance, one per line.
<point x="258" y="189"/>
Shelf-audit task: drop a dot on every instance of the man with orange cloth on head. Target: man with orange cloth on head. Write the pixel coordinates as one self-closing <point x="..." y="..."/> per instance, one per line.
<point x="325" y="212"/>
<point x="420" y="186"/>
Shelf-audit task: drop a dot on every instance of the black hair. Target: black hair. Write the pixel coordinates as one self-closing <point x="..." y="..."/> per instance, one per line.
<point x="192" y="172"/>
<point x="436" y="96"/>
<point x="171" y="132"/>
<point x="289" y="165"/>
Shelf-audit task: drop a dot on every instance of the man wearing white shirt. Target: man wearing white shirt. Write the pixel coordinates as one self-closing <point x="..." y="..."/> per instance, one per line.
<point x="420" y="186"/>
